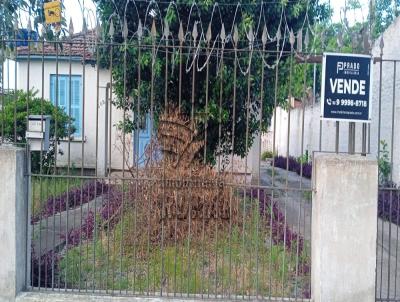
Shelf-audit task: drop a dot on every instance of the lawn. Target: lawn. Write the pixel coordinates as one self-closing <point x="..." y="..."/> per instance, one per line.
<point x="242" y="261"/>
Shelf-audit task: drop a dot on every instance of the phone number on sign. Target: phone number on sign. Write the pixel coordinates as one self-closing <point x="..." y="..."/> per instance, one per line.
<point x="350" y="103"/>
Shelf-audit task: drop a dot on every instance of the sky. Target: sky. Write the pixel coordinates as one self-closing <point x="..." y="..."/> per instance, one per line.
<point x="73" y="9"/>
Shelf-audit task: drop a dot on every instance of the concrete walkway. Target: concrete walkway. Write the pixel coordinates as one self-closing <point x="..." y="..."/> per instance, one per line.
<point x="293" y="202"/>
<point x="47" y="233"/>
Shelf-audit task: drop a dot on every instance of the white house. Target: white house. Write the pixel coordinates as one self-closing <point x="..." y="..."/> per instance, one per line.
<point x="87" y="89"/>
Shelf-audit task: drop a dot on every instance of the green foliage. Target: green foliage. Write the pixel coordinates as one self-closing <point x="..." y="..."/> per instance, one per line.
<point x="267" y="155"/>
<point x="43" y="188"/>
<point x="14" y="117"/>
<point x="384" y="164"/>
<point x="384" y="13"/>
<point x="242" y="259"/>
<point x="303" y="159"/>
<point x="125" y="66"/>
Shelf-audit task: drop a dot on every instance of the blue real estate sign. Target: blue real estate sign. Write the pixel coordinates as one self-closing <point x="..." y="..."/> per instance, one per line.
<point x="346" y="87"/>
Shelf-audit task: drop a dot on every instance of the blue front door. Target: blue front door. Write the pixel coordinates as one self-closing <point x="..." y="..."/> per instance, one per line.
<point x="142" y="140"/>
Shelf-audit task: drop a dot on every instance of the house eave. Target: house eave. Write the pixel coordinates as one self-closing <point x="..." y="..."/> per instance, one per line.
<point x="23" y="58"/>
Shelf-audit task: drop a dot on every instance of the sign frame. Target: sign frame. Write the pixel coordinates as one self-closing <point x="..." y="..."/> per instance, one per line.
<point x="50" y="11"/>
<point x="325" y="54"/>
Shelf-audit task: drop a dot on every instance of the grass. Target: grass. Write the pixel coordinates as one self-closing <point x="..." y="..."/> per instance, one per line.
<point x="43" y="188"/>
<point x="307" y="195"/>
<point x="241" y="262"/>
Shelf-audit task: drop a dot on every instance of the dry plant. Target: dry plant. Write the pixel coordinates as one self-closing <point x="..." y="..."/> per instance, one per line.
<point x="176" y="195"/>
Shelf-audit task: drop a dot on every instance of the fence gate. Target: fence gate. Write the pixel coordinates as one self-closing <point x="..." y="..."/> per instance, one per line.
<point x="152" y="181"/>
<point x="387" y="280"/>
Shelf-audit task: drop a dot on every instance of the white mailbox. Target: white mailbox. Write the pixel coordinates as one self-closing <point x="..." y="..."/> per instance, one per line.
<point x="38" y="134"/>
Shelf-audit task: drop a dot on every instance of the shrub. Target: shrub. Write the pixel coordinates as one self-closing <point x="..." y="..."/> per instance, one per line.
<point x="294" y="165"/>
<point x="267" y="155"/>
<point x="384" y="164"/>
<point x="14" y="116"/>
<point x="44" y="266"/>
<point x="72" y="198"/>
<point x="389" y="204"/>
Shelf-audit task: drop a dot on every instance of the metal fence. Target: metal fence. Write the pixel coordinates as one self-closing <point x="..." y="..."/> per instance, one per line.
<point x="388" y="199"/>
<point x="153" y="183"/>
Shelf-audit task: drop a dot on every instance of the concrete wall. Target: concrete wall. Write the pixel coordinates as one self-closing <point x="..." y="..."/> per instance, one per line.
<point x="344" y="229"/>
<point x="389" y="88"/>
<point x="89" y="141"/>
<point x="14" y="215"/>
<point x="310" y="137"/>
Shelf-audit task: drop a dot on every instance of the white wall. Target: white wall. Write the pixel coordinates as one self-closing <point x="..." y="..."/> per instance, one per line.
<point x="90" y="107"/>
<point x="390" y="92"/>
<point x="8" y="74"/>
<point x="308" y="139"/>
<point x="383" y="125"/>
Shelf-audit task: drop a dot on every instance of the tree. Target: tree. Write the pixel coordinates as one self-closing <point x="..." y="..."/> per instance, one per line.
<point x="127" y="68"/>
<point x="13" y="126"/>
<point x="384" y="12"/>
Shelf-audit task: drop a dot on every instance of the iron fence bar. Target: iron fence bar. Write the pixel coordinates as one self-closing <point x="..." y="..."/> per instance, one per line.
<point x="393" y="119"/>
<point x="249" y="82"/>
<point x="136" y="155"/>
<point x="27" y="149"/>
<point x="259" y="167"/>
<point x="113" y="263"/>
<point x="185" y="183"/>
<point x="96" y="158"/>
<point x="32" y="247"/>
<point x="274" y="150"/>
<point x="378" y="152"/>
<point x="47" y="244"/>
<point x="110" y="102"/>
<point x="15" y="87"/>
<point x="82" y="153"/>
<point x="337" y="137"/>
<point x="192" y="125"/>
<point x="301" y="164"/>
<point x="125" y="105"/>
<point x="166" y="110"/>
<point x="110" y="106"/>
<point x="41" y="169"/>
<point x="364" y="140"/>
<point x="397" y="246"/>
<point x="351" y="141"/>
<point x="55" y="162"/>
<point x="236" y="35"/>
<point x="69" y="148"/>
<point x="2" y="59"/>
<point x="153" y="58"/>
<point x="220" y="154"/>
<point x="391" y="172"/>
<point x="180" y="69"/>
<point x="288" y="144"/>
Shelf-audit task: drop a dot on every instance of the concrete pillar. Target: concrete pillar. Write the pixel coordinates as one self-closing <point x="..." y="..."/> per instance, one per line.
<point x="13" y="222"/>
<point x="344" y="228"/>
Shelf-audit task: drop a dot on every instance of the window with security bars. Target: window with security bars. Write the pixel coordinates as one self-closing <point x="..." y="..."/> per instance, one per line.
<point x="69" y="91"/>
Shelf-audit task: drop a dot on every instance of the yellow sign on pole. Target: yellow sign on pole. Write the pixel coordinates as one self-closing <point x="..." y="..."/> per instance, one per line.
<point x="52" y="12"/>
